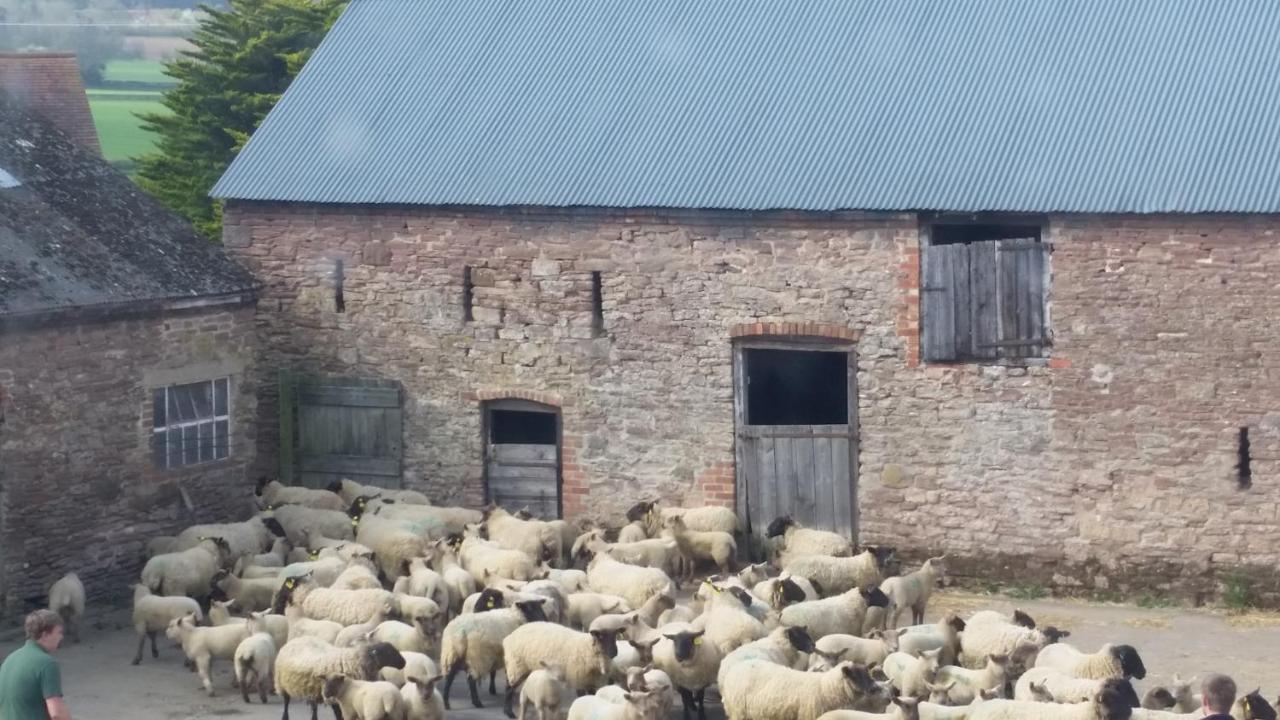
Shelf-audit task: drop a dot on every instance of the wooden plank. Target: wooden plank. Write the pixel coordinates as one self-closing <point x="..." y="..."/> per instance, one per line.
<point x="286" y="410"/>
<point x="824" y="479"/>
<point x="1037" y="266"/>
<point x="938" y="322"/>
<point x="766" y="466"/>
<point x="785" y="475"/>
<point x="352" y="464"/>
<point x="849" y="458"/>
<point x="962" y="298"/>
<point x="349" y="396"/>
<point x="513" y="453"/>
<point x="498" y="471"/>
<point x="744" y="492"/>
<point x="524" y="486"/>
<point x="984" y="298"/>
<point x="806" y="482"/>
<point x="842" y="488"/>
<point x="1007" y="300"/>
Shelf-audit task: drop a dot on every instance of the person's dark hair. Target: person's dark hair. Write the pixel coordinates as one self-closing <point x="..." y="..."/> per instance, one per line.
<point x="1219" y="693"/>
<point x="44" y="621"/>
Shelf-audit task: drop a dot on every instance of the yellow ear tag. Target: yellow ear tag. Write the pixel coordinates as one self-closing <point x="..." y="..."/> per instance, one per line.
<point x="697" y="641"/>
<point x="489" y="603"/>
<point x="314" y="554"/>
<point x="289" y="583"/>
<point x="355" y="522"/>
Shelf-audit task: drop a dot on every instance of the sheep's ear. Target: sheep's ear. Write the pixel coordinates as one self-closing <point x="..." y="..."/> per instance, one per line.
<point x="1177" y="679"/>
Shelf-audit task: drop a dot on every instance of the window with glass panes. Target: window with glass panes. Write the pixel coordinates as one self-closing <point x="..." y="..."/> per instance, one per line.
<point x="192" y="423"/>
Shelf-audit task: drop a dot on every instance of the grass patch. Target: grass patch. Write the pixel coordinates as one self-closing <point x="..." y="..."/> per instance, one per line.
<point x="1155" y="600"/>
<point x="1026" y="591"/>
<point x="119" y="129"/>
<point x="136" y="71"/>
<point x="1235" y="593"/>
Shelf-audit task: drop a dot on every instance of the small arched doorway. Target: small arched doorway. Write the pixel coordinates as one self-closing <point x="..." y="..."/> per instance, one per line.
<point x="522" y="456"/>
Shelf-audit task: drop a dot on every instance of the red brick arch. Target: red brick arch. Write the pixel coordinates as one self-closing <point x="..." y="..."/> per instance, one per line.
<point x="546" y="398"/>
<point x="794" y="329"/>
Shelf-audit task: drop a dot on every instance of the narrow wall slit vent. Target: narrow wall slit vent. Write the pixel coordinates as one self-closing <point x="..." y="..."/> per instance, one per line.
<point x="1244" y="471"/>
<point x="339" y="277"/>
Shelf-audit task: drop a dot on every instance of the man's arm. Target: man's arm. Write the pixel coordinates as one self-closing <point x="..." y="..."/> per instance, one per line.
<point x="57" y="709"/>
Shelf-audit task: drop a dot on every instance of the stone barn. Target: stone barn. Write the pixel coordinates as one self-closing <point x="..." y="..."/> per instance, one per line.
<point x="985" y="278"/>
<point x="125" y="340"/>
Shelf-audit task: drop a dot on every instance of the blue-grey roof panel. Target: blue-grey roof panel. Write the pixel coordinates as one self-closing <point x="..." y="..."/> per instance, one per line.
<point x="964" y="105"/>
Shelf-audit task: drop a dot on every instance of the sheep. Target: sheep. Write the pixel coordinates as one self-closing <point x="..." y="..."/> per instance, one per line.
<point x="432" y="523"/>
<point x="706" y="519"/>
<point x="153" y="613"/>
<point x="633" y="532"/>
<point x="934" y="710"/>
<point x="393" y="546"/>
<point x="760" y="689"/>
<point x="202" y="645"/>
<point x="480" y="556"/>
<point x="660" y="553"/>
<point x="420" y="580"/>
<point x="571" y="580"/>
<point x="543" y="693"/>
<point x="798" y="540"/>
<point x="250" y="537"/>
<point x="363" y="699"/>
<point x="727" y="622"/>
<point x="1111" y="661"/>
<point x="255" y="655"/>
<point x="66" y="597"/>
<point x="416" y="665"/>
<point x="353" y="633"/>
<point x="1184" y="699"/>
<point x="300" y="522"/>
<point x="841" y="614"/>
<point x="159" y="545"/>
<point x="969" y="682"/>
<point x="251" y="595"/>
<point x="691" y="661"/>
<point x="273" y="492"/>
<point x="347" y="607"/>
<point x="349" y="490"/>
<point x="913" y="590"/>
<point x="944" y="635"/>
<point x="473" y="642"/>
<point x="635" y="584"/>
<point x="838" y="574"/>
<point x="459" y="582"/>
<point x="1157" y="697"/>
<point x="989" y="633"/>
<point x="784" y="590"/>
<point x="716" y="546"/>
<point x="419" y="636"/>
<point x="584" y="607"/>
<point x="302" y="626"/>
<point x="902" y="709"/>
<point x="535" y="538"/>
<point x="832" y="649"/>
<point x="677" y="614"/>
<point x="186" y="572"/>
<point x="557" y="599"/>
<point x="276" y="557"/>
<point x="585" y="655"/>
<point x="277" y="626"/>
<point x="912" y="675"/>
<point x="412" y="606"/>
<point x="633" y="654"/>
<point x="634" y="706"/>
<point x="359" y="575"/>
<point x="421" y="699"/>
<point x="1108" y="704"/>
<point x="784" y="646"/>
<point x="324" y="572"/>
<point x="1066" y="689"/>
<point x="304" y="663"/>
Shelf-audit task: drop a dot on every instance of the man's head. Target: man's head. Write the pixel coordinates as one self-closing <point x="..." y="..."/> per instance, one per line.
<point x="1219" y="694"/>
<point x="45" y="628"/>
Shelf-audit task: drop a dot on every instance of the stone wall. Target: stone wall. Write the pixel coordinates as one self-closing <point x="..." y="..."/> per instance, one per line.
<point x="79" y="488"/>
<point x="1110" y="463"/>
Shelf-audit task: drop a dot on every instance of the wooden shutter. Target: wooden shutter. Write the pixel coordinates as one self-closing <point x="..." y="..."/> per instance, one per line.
<point x="1021" y="297"/>
<point x="946" y="278"/>
<point x="984" y="299"/>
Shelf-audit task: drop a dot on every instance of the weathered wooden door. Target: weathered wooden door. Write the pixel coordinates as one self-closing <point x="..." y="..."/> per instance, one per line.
<point x="337" y="427"/>
<point x="522" y="457"/>
<point x="797" y="443"/>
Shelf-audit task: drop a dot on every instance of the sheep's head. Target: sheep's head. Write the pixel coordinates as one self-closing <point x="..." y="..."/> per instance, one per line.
<point x="524" y="514"/>
<point x="778" y="526"/>
<point x="605" y="629"/>
<point x="822" y="661"/>
<point x="1053" y="634"/>
<point x="490" y="599"/>
<point x="883" y="555"/>
<point x="639" y="511"/>
<point x="555" y="670"/>
<point x="426" y="686"/>
<point x="454" y="541"/>
<point x="675" y="523"/>
<point x="288" y="588"/>
<point x="938" y="694"/>
<point x="644" y="647"/>
<point x="908" y="705"/>
<point x="635" y="678"/>
<point x="742" y="595"/>
<point x="1158" y="698"/>
<point x="179" y="626"/>
<point x="260" y="485"/>
<point x="1023" y="619"/>
<point x="874" y="596"/>
<point x="1130" y="663"/>
<point x="490" y="510"/>
<point x="685" y="644"/>
<point x="1256" y="707"/>
<point x="939" y="566"/>
<point x="752" y="574"/>
<point x="532" y="610"/>
<point x="799" y="638"/>
<point x="332" y="688"/>
<point x="890" y="638"/>
<point x="785" y="592"/>
<point x="384" y="655"/>
<point x="858" y="677"/>
<point x="606" y="641"/>
<point x="1130" y="695"/>
<point x="955" y="621"/>
<point x="930" y="659"/>
<point x="425" y="624"/>
<point x="1040" y="693"/>
<point x="1112" y="700"/>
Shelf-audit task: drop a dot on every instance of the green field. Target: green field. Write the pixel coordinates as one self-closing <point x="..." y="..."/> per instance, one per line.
<point x="136" y="71"/>
<point x="119" y="129"/>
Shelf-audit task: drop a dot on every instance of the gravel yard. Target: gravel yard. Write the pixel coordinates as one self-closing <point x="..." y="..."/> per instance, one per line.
<point x="101" y="684"/>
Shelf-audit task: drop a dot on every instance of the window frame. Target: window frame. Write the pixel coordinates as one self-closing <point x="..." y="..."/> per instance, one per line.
<point x="162" y="456"/>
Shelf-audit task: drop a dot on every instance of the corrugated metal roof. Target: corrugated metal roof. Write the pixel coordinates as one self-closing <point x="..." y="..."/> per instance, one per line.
<point x="964" y="105"/>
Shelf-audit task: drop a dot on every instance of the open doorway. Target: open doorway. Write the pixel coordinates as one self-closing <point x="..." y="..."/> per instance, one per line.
<point x="522" y="457"/>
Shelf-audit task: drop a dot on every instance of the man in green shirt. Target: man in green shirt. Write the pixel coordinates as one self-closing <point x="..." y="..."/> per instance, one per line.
<point x="30" y="682"/>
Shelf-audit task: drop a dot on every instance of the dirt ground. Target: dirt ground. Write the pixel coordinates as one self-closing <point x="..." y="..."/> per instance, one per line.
<point x="102" y="685"/>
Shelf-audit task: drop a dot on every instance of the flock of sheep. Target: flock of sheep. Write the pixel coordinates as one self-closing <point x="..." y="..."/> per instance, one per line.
<point x="373" y="601"/>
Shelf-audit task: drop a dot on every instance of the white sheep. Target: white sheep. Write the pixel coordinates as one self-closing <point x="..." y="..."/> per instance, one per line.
<point x="1108" y="704"/>
<point x="572" y="580"/>
<point x="912" y="675"/>
<point x="661" y="553"/>
<point x="913" y="590"/>
<point x="784" y="646"/>
<point x="473" y="641"/>
<point x="830" y="650"/>
<point x="246" y="538"/>
<point x="784" y="590"/>
<point x="1110" y="661"/>
<point x="934" y="710"/>
<point x="635" y="584"/>
<point x="421" y="699"/>
<point x="349" y="490"/>
<point x="990" y="633"/>
<point x="717" y="546"/>
<point x="255" y="655"/>
<point x="303" y="664"/>
<point x="968" y="682"/>
<point x="299" y="523"/>
<point x="66" y="597"/>
<point x="324" y="572"/>
<point x="186" y="572"/>
<point x="635" y="706"/>
<point x="728" y="622"/>
<point x="364" y="699"/>
<point x="276" y="557"/>
<point x="347" y="607"/>
<point x="275" y="625"/>
<point x="798" y="540"/>
<point x="459" y="582"/>
<point x="542" y="693"/>
<point x="902" y="709"/>
<point x="479" y="557"/>
<point x="557" y="604"/>
<point x="302" y="626"/>
<point x="585" y="656"/>
<point x="358" y="576"/>
<point x="416" y="665"/>
<point x="944" y="635"/>
<point x="1064" y="688"/>
<point x="761" y="689"/>
<point x="432" y="523"/>
<point x="251" y="595"/>
<point x="841" y="614"/>
<point x="677" y="614"/>
<point x="393" y="546"/>
<point x="691" y="661"/>
<point x="538" y="539"/>
<point x="585" y="607"/>
<point x="422" y="581"/>
<point x="351" y="634"/>
<point x="837" y="574"/>
<point x="632" y="532"/>
<point x="202" y="645"/>
<point x="707" y="518"/>
<point x="153" y="613"/>
<point x="419" y="635"/>
<point x="273" y="492"/>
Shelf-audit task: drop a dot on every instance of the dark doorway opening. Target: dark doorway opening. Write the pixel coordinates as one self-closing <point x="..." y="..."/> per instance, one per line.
<point x="797" y="387"/>
<point x="522" y="427"/>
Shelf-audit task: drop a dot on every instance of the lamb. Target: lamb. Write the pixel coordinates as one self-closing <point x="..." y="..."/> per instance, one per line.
<point x="706" y="519"/>
<point x="571" y="580"/>
<point x="186" y="572"/>
<point x="418" y="637"/>
<point x="841" y="614"/>
<point x="902" y="709"/>
<point x="359" y="575"/>
<point x="480" y="556"/>
<point x="422" y="581"/>
<point x="298" y="523"/>
<point x="783" y="646"/>
<point x="364" y="699"/>
<point x="543" y="693"/>
<point x="432" y="523"/>
<point x="421" y="699"/>
<point x="584" y="607"/>
<point x="753" y="574"/>
<point x="677" y="614"/>
<point x="272" y="492"/>
<point x="557" y="599"/>
<point x="277" y="626"/>
<point x="202" y="645"/>
<point x="798" y="540"/>
<point x="913" y="590"/>
<point x="473" y="642"/>
<point x="255" y="655"/>
<point x="838" y="574"/>
<point x="728" y="624"/>
<point x="459" y="582"/>
<point x="969" y="682"/>
<point x="66" y="597"/>
<point x="250" y="537"/>
<point x="635" y="706"/>
<point x="635" y="584"/>
<point x="416" y="665"/>
<point x="347" y="607"/>
<point x="1066" y="689"/>
<point x="912" y="675"/>
<point x="535" y="538"/>
<point x="989" y="633"/>
<point x="760" y="689"/>
<point x="393" y="546"/>
<point x="304" y="663"/>
<point x="832" y="649"/>
<point x="153" y="613"/>
<point x="944" y="635"/>
<point x="632" y="532"/>
<point x="585" y="656"/>
<point x="1111" y="661"/>
<point x="660" y="553"/>
<point x="716" y="546"/>
<point x="251" y="595"/>
<point x="324" y="572"/>
<point x="1157" y="697"/>
<point x="302" y="626"/>
<point x="690" y="661"/>
<point x="1108" y="704"/>
<point x="353" y="633"/>
<point x="348" y="491"/>
<point x="275" y="557"/>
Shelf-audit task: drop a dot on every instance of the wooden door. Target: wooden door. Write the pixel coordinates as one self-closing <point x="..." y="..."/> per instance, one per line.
<point x="791" y="458"/>
<point x="335" y="427"/>
<point x="522" y="457"/>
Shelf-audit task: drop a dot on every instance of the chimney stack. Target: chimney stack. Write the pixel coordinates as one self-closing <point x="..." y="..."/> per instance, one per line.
<point x="49" y="85"/>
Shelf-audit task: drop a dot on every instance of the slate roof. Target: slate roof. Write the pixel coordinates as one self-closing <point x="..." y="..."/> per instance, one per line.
<point x="1099" y="106"/>
<point x="76" y="233"/>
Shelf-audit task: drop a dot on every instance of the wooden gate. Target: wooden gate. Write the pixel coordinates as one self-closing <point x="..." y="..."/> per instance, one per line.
<point x="522" y="457"/>
<point x="338" y="427"/>
<point x="797" y="444"/>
